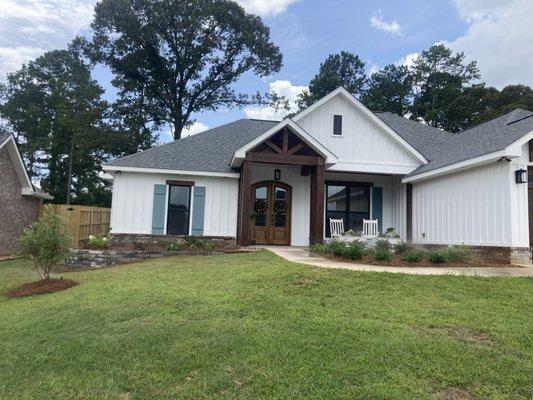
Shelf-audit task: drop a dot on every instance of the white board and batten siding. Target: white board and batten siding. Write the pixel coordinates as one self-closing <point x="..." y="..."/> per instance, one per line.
<point x="133" y="197"/>
<point x="471" y="207"/>
<point x="519" y="201"/>
<point x="363" y="146"/>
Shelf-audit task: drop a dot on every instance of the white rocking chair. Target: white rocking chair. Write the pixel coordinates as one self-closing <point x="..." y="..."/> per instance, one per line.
<point x="370" y="228"/>
<point x="336" y="227"/>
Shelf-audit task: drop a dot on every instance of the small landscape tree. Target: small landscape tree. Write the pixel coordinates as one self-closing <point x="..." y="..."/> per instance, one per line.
<point x="46" y="241"/>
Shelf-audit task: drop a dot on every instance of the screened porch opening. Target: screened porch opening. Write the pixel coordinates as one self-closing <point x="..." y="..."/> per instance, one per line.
<point x="349" y="201"/>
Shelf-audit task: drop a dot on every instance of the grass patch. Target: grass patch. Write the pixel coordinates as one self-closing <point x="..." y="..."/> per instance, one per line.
<point x="256" y="326"/>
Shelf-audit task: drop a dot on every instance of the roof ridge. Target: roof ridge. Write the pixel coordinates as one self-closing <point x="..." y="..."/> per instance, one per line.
<point x="487" y="121"/>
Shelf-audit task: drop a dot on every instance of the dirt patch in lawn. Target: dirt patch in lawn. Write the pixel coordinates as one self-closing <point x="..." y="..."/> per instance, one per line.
<point x="468" y="335"/>
<point x="455" y="393"/>
<point x="464" y="334"/>
<point x="41" y="287"/>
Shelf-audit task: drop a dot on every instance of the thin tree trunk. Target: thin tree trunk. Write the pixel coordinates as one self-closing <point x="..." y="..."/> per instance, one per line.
<point x="178" y="128"/>
<point x="70" y="164"/>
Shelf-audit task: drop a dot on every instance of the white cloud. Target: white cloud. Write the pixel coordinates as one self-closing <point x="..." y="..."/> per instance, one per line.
<point x="195" y="128"/>
<point x="30" y="27"/>
<point x="408" y="60"/>
<point x="393" y="27"/>
<point x="499" y="38"/>
<point x="266" y="8"/>
<point x="282" y="88"/>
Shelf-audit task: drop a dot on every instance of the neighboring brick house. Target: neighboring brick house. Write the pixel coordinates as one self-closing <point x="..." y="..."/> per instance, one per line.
<point x="19" y="199"/>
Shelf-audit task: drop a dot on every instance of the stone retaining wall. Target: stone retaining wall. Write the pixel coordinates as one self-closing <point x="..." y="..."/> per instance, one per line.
<point x="123" y="239"/>
<point x="81" y="258"/>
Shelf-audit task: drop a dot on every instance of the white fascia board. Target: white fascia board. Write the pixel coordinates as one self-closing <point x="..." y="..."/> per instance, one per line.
<point x="516" y="146"/>
<point x="373" y="117"/>
<point x="514" y="150"/>
<point x="33" y="193"/>
<point x="114" y="168"/>
<point x="239" y="154"/>
<point x="460" y="166"/>
<point x="388" y="169"/>
<point x="5" y="141"/>
<point x="18" y="163"/>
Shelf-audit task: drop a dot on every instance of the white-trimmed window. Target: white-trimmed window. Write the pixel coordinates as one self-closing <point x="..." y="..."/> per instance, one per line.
<point x="337" y="125"/>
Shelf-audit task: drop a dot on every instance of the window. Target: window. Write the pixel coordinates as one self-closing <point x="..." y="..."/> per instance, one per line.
<point x="179" y="204"/>
<point x="349" y="202"/>
<point x="337" y="125"/>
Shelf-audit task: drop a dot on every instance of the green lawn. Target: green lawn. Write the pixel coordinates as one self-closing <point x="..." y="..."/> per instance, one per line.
<point x="255" y="326"/>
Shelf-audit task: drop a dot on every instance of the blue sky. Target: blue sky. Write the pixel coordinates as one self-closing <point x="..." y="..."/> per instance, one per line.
<point x="493" y="32"/>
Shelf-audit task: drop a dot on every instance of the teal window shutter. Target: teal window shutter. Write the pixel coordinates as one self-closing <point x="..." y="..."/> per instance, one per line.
<point x="198" y="208"/>
<point x="377" y="206"/>
<point x="158" y="212"/>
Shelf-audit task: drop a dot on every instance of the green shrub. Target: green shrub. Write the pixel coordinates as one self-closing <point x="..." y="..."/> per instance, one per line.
<point x="99" y="242"/>
<point x="382" y="245"/>
<point x="383" y="255"/>
<point x="173" y="246"/>
<point x="46" y="241"/>
<point x="336" y="248"/>
<point x="138" y="245"/>
<point x="413" y="256"/>
<point x="208" y="245"/>
<point x="319" y="248"/>
<point x="438" y="257"/>
<point x="458" y="253"/>
<point x="354" y="250"/>
<point x="402" y="247"/>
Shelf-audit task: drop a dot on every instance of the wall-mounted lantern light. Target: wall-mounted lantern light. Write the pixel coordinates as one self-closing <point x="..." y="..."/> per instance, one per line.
<point x="277" y="174"/>
<point x="520" y="175"/>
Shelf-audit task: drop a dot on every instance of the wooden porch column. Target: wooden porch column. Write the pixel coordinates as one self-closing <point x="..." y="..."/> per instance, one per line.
<point x="244" y="208"/>
<point x="316" y="227"/>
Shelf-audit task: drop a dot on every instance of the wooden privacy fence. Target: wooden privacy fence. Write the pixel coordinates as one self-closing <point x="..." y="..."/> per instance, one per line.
<point x="85" y="221"/>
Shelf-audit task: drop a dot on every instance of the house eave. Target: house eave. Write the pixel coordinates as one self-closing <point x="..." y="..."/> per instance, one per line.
<point x="240" y="153"/>
<point x="115" y="168"/>
<point x="462" y="165"/>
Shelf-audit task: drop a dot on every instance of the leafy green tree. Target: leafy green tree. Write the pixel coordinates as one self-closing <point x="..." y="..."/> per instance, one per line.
<point x="46" y="241"/>
<point x="389" y="90"/>
<point x="469" y="108"/>
<point x="343" y="69"/>
<point x="439" y="77"/>
<point x="186" y="55"/>
<point x="56" y="110"/>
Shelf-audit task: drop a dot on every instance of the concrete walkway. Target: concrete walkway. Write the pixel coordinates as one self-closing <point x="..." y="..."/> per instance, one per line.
<point x="302" y="255"/>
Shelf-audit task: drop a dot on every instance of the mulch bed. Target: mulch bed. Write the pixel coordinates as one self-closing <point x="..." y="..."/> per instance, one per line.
<point x="41" y="287"/>
<point x="398" y="261"/>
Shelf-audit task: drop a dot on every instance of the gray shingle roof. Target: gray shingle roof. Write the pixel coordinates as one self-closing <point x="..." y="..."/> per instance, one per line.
<point x="485" y="138"/>
<point x="4" y="136"/>
<point x="209" y="151"/>
<point x="212" y="150"/>
<point x="426" y="139"/>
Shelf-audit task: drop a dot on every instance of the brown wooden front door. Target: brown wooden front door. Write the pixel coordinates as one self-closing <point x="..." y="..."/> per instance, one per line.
<point x="272" y="209"/>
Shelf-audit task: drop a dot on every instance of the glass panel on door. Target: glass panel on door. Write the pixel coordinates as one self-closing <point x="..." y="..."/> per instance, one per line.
<point x="280" y="207"/>
<point x="261" y="206"/>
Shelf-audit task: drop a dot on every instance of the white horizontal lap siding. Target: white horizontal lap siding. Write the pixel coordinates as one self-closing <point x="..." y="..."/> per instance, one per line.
<point x="362" y="141"/>
<point x="133" y="196"/>
<point x="394" y="208"/>
<point x="300" y="212"/>
<point x="470" y="207"/>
